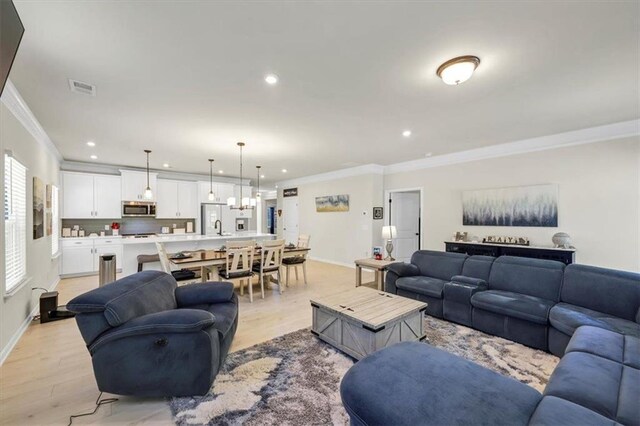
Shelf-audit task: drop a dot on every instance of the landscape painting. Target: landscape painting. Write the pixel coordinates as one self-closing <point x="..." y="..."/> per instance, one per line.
<point x="535" y="206"/>
<point x="38" y="208"/>
<point x="332" y="203"/>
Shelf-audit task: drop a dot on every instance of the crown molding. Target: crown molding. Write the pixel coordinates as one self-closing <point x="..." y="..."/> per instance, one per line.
<point x="337" y="174"/>
<point x="13" y="101"/>
<point x="559" y="140"/>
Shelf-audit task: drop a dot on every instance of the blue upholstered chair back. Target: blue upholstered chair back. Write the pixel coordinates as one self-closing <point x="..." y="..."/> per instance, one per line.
<point x="438" y="264"/>
<point x="535" y="277"/>
<point x="604" y="290"/>
<point x="478" y="267"/>
<point x="130" y="297"/>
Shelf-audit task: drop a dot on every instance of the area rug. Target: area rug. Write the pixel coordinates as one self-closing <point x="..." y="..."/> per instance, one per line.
<point x="295" y="379"/>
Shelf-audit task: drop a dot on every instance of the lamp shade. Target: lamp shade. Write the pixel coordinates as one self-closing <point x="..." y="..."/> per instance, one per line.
<point x="389" y="232"/>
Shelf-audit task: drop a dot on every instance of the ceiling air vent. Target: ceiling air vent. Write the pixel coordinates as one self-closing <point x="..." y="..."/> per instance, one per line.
<point x="80" y="87"/>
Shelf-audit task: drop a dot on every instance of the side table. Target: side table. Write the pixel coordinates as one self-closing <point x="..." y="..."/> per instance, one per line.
<point x="379" y="266"/>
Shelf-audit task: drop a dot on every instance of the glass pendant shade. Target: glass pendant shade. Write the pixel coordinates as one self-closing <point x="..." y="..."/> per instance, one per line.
<point x="253" y="202"/>
<point x="245" y="201"/>
<point x="231" y="201"/>
<point x="148" y="195"/>
<point x="211" y="196"/>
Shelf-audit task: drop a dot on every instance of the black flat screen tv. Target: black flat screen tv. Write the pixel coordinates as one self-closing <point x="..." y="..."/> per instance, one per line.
<point x="11" y="30"/>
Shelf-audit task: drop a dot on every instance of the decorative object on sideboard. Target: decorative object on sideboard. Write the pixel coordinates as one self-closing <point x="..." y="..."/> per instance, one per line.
<point x="332" y="203"/>
<point x="148" y="194"/>
<point x="389" y="233"/>
<point x="475" y="239"/>
<point x="497" y="239"/>
<point x="534" y="205"/>
<point x="38" y="208"/>
<point x="460" y="236"/>
<point x="378" y="213"/>
<point x="66" y="232"/>
<point x="562" y="240"/>
<point x="244" y="203"/>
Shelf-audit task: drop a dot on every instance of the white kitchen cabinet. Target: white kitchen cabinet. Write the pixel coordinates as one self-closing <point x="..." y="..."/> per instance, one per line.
<point x="134" y="184"/>
<point x="90" y="196"/>
<point x="82" y="255"/>
<point x="225" y="190"/>
<point x="177" y="199"/>
<point x="221" y="191"/>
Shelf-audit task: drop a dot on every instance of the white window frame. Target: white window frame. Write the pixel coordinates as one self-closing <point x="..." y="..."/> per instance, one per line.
<point x="55" y="221"/>
<point x="15" y="224"/>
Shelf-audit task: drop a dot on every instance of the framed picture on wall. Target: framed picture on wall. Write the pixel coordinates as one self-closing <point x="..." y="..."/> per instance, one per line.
<point x="378" y="213"/>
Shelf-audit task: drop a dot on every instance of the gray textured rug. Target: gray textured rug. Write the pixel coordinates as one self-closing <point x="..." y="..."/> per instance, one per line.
<point x="295" y="379"/>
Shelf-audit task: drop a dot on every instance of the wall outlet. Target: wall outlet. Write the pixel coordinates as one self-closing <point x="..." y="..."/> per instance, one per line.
<point x="174" y="225"/>
<point x="107" y="227"/>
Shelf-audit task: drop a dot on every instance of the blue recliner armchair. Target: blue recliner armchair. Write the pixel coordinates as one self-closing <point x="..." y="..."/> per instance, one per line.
<point x="148" y="337"/>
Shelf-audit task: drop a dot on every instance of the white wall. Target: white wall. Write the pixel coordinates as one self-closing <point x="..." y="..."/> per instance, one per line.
<point x="599" y="198"/>
<point x="339" y="237"/>
<point x="41" y="268"/>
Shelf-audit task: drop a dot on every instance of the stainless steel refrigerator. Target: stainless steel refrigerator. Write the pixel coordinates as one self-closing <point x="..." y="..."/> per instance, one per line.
<point x="210" y="213"/>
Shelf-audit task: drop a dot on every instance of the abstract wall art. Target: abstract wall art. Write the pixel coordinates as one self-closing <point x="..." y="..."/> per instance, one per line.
<point x="535" y="205"/>
<point x="332" y="203"/>
<point x="38" y="208"/>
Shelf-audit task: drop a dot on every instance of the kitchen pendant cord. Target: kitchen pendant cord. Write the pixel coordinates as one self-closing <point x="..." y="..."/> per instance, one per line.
<point x="99" y="403"/>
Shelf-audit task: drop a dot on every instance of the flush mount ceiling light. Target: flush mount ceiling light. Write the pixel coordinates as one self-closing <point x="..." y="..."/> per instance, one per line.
<point x="406" y="133"/>
<point x="458" y="70"/>
<point x="91" y="144"/>
<point x="271" y="79"/>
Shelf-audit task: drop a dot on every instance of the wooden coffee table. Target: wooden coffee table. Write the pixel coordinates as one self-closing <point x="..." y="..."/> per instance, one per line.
<point x="379" y="266"/>
<point x="361" y="321"/>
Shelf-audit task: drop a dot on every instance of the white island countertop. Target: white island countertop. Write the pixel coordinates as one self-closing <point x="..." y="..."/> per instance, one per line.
<point x="181" y="238"/>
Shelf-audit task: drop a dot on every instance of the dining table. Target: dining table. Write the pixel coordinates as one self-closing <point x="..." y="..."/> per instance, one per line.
<point x="214" y="260"/>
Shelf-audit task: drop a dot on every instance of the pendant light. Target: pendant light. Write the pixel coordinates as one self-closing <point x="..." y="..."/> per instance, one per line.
<point x="211" y="196"/>
<point x="254" y="201"/>
<point x="245" y="202"/>
<point x="148" y="195"/>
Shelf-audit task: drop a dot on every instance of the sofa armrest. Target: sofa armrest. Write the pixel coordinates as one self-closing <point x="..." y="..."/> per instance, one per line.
<point x="166" y="322"/>
<point x="461" y="292"/>
<point x="204" y="293"/>
<point x="402" y="269"/>
<point x="461" y="279"/>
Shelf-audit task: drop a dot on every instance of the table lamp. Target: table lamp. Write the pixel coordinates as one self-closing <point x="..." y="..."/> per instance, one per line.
<point x="388" y="233"/>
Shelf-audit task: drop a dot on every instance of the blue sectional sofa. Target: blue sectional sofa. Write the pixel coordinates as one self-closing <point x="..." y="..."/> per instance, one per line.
<point x="148" y="337"/>
<point x="597" y="382"/>
<point x="539" y="303"/>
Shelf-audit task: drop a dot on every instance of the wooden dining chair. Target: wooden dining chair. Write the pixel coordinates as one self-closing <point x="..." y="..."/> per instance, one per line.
<point x="165" y="264"/>
<point x="295" y="261"/>
<point x="239" y="264"/>
<point x="270" y="262"/>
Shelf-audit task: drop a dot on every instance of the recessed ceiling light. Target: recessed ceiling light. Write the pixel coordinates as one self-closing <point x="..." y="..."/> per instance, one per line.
<point x="428" y="154"/>
<point x="458" y="70"/>
<point x="91" y="144"/>
<point x="94" y="157"/>
<point x="261" y="176"/>
<point x="284" y="170"/>
<point x="166" y="165"/>
<point x="271" y="79"/>
<point x="221" y="171"/>
<point x="406" y="133"/>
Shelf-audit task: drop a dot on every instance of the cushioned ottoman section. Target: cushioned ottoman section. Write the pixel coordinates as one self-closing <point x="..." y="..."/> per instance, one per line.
<point x="597" y="341"/>
<point x="428" y="286"/>
<point x="554" y="411"/>
<point x="521" y="331"/>
<point x="515" y="305"/>
<point x="434" y="304"/>
<point x="567" y="318"/>
<point x="415" y="383"/>
<point x="599" y="384"/>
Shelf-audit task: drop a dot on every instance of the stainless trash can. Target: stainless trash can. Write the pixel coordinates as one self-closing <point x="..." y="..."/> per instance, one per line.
<point x="107" y="269"/>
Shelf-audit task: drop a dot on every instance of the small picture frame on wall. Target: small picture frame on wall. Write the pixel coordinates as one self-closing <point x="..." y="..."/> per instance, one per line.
<point x="378" y="213"/>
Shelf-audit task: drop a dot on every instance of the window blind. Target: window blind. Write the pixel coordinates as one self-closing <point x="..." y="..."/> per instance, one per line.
<point x="55" y="217"/>
<point x="15" y="222"/>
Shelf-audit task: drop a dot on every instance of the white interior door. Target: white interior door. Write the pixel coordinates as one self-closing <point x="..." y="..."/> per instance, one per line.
<point x="290" y="219"/>
<point x="405" y="215"/>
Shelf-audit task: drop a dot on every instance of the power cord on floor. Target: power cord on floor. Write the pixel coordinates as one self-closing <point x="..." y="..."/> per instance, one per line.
<point x="99" y="403"/>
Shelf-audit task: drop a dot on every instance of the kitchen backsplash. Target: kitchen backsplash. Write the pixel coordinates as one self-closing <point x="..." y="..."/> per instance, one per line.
<point x="129" y="225"/>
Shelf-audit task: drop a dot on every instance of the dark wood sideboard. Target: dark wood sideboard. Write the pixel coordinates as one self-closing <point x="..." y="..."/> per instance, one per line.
<point x="566" y="256"/>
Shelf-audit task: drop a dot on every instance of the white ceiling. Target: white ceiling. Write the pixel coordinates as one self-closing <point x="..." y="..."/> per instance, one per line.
<point x="185" y="79"/>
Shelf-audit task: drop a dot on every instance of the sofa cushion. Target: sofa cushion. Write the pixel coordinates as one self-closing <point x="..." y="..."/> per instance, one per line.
<point x="478" y="267"/>
<point x="567" y="318"/>
<point x="422" y="285"/>
<point x="535" y="277"/>
<point x="599" y="384"/>
<point x="592" y="288"/>
<point x="606" y="344"/>
<point x="555" y="411"/>
<point x="417" y="384"/>
<point x="438" y="264"/>
<point x="515" y="305"/>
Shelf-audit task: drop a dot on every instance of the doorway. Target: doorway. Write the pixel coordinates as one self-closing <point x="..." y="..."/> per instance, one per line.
<point x="271" y="224"/>
<point x="404" y="208"/>
<point x="290" y="219"/>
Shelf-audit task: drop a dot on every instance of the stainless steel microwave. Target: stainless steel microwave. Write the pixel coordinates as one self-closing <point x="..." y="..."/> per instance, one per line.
<point x="138" y="209"/>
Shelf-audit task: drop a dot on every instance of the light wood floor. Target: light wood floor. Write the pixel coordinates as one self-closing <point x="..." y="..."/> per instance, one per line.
<point x="48" y="376"/>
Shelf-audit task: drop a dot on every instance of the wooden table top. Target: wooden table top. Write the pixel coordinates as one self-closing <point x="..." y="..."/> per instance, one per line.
<point x="370" y="307"/>
<point x="219" y="255"/>
<point x="374" y="263"/>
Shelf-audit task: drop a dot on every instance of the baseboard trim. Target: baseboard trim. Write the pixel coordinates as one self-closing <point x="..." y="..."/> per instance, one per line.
<point x="333" y="262"/>
<point x="4" y="354"/>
